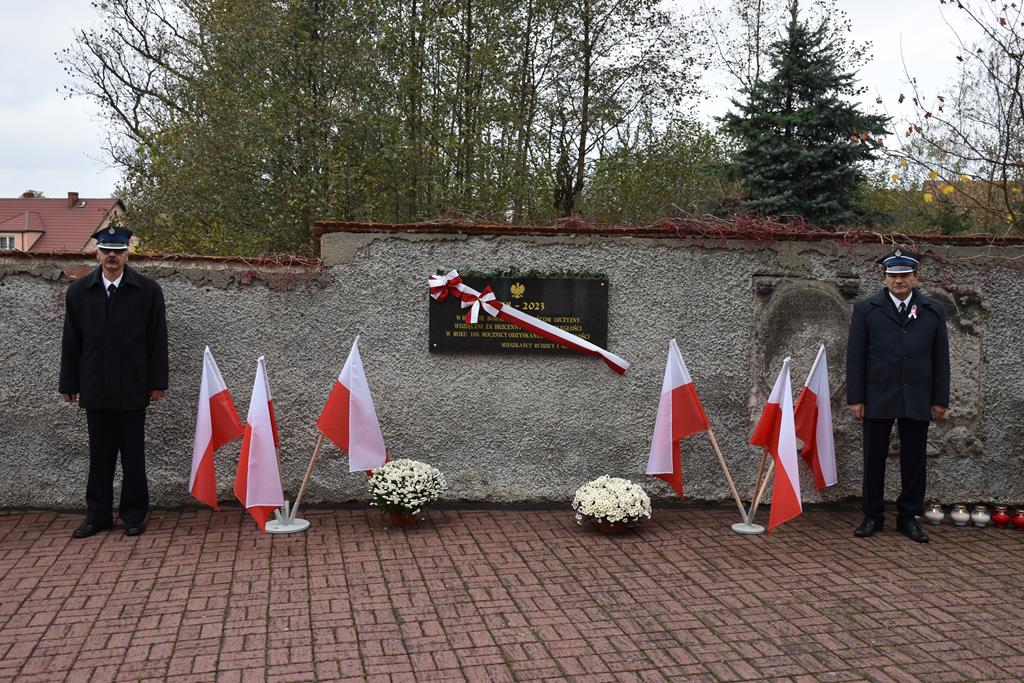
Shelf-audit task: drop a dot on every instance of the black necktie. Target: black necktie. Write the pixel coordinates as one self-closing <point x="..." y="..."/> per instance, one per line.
<point x="903" y="308"/>
<point x="111" y="288"/>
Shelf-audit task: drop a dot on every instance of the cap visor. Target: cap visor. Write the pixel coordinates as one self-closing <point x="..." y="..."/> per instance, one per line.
<point x="111" y="247"/>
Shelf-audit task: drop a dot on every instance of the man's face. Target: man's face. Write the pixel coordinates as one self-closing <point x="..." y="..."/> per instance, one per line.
<point x="900" y="284"/>
<point x="112" y="260"/>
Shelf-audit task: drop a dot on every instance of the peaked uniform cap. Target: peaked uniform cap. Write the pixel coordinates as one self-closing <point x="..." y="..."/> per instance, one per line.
<point x="113" y="237"/>
<point x="900" y="261"/>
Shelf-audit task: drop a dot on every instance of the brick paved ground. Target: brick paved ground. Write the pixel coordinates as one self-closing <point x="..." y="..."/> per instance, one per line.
<point x="506" y="596"/>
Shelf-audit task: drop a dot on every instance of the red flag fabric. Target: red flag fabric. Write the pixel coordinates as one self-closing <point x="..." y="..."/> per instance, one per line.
<point x="776" y="432"/>
<point x="680" y="414"/>
<point x="813" y="417"/>
<point x="217" y="423"/>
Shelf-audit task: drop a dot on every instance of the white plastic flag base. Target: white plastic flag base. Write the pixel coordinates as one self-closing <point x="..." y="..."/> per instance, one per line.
<point x="286" y="523"/>
<point x="746" y="528"/>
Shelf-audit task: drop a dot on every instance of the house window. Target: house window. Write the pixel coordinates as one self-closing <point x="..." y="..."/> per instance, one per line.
<point x="6" y="243"/>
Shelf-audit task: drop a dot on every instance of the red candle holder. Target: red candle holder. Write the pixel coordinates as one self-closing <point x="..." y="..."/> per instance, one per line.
<point x="1018" y="519"/>
<point x="1000" y="518"/>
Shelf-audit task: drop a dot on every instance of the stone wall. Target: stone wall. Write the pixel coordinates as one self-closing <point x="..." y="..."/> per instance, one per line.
<point x="522" y="428"/>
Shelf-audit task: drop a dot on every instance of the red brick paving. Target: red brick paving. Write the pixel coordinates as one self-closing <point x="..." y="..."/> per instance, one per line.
<point x="506" y="596"/>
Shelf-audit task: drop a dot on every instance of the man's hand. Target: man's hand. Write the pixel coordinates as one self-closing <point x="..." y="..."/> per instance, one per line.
<point x="70" y="398"/>
<point x="938" y="412"/>
<point x="156" y="394"/>
<point x="857" y="411"/>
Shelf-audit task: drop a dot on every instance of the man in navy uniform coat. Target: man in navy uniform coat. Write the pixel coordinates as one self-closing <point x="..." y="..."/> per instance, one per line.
<point x="897" y="370"/>
<point x="114" y="362"/>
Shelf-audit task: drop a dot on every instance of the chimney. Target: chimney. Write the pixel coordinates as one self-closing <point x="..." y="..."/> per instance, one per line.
<point x="72" y="199"/>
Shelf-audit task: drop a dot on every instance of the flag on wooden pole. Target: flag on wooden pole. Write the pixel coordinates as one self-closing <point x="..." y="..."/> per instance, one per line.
<point x="217" y="423"/>
<point x="813" y="417"/>
<point x="680" y="414"/>
<point x="258" y="480"/>
<point x="349" y="419"/>
<point x="776" y="432"/>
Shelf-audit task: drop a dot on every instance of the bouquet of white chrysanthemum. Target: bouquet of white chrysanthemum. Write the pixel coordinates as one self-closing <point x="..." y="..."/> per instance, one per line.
<point x="406" y="486"/>
<point x="611" y="499"/>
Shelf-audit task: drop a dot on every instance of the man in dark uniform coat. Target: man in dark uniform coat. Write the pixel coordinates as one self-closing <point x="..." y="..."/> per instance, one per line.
<point x="897" y="370"/>
<point x="114" y="362"/>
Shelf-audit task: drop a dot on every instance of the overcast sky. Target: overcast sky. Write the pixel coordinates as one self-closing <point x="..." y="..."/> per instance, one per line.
<point x="54" y="145"/>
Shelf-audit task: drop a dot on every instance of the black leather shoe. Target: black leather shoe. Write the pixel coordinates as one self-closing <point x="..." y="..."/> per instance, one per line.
<point x="134" y="528"/>
<point x="90" y="529"/>
<point x="868" y="527"/>
<point x="908" y="526"/>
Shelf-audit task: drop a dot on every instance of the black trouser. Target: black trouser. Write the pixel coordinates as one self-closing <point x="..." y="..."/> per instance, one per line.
<point x="111" y="431"/>
<point x="913" y="442"/>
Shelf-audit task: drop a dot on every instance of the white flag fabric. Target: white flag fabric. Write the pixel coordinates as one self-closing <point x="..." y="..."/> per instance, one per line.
<point x="349" y="419"/>
<point x="217" y="423"/>
<point x="813" y="415"/>
<point x="680" y="414"/>
<point x="776" y="432"/>
<point x="258" y="481"/>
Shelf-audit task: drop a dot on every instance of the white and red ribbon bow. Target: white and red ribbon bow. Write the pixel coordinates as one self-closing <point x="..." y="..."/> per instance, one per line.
<point x="443" y="285"/>
<point x="440" y="285"/>
<point x="486" y="300"/>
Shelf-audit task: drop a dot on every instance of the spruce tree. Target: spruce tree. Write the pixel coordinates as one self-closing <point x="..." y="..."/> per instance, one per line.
<point x="801" y="141"/>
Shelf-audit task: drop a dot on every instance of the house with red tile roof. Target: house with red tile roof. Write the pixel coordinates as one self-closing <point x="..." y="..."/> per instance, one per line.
<point x="37" y="224"/>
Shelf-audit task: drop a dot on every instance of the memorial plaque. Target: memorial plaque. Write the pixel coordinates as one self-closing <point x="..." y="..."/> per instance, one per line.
<point x="576" y="305"/>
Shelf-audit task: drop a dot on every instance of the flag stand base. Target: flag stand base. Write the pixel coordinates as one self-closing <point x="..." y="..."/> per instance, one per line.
<point x="278" y="527"/>
<point x="745" y="528"/>
<point x="286" y="523"/>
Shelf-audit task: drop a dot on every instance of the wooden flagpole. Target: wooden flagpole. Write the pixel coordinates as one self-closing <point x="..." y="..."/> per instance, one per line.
<point x="309" y="472"/>
<point x="728" y="477"/>
<point x="764" y="485"/>
<point x="760" y="471"/>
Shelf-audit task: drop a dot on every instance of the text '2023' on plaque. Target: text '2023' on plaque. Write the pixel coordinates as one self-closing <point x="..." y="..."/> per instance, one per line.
<point x="577" y="305"/>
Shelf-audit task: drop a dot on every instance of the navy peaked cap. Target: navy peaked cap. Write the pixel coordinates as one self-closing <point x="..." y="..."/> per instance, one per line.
<point x="113" y="238"/>
<point x="900" y="261"/>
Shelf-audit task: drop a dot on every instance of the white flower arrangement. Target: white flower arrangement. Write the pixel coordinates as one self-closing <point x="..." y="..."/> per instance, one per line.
<point x="406" y="486"/>
<point x="611" y="499"/>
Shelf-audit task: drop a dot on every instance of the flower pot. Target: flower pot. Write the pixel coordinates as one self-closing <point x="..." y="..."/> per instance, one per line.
<point x="606" y="527"/>
<point x="402" y="519"/>
<point x="1000" y="518"/>
<point x="607" y="498"/>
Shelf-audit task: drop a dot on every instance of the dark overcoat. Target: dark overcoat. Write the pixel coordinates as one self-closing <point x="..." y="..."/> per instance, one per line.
<point x="113" y="353"/>
<point x="898" y="369"/>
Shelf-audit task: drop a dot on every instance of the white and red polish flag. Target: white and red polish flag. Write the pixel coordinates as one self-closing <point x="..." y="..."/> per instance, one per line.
<point x="349" y="419"/>
<point x="680" y="414"/>
<point x="776" y="432"/>
<point x="813" y="416"/>
<point x="258" y="480"/>
<point x="217" y="423"/>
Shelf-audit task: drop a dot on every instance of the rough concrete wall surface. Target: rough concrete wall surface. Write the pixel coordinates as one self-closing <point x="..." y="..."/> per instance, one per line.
<point x="509" y="428"/>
